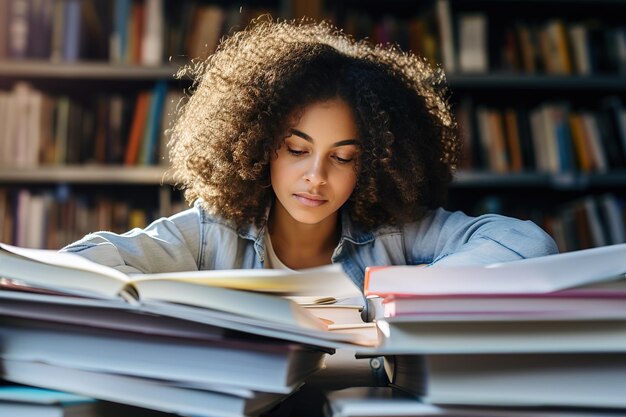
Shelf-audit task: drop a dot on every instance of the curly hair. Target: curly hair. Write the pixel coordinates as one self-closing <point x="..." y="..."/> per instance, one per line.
<point x="246" y="93"/>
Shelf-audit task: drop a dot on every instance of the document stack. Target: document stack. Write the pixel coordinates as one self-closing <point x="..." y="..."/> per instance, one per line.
<point x="179" y="342"/>
<point x="542" y="332"/>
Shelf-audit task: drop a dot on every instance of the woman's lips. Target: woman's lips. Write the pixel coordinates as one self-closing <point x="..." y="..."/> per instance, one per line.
<point x="309" y="200"/>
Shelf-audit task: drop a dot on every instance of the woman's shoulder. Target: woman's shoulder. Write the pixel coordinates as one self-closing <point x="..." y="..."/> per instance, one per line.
<point x="440" y="216"/>
<point x="202" y="214"/>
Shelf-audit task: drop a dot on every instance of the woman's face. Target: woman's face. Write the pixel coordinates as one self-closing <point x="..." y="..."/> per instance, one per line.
<point x="314" y="171"/>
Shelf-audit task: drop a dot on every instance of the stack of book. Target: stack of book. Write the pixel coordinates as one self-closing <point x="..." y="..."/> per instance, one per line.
<point x="173" y="342"/>
<point x="542" y="332"/>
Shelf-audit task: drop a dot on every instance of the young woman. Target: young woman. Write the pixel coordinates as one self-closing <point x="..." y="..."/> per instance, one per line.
<point x="301" y="147"/>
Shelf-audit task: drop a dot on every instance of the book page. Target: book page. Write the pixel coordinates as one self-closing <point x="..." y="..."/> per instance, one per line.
<point x="310" y="284"/>
<point x="60" y="271"/>
<point x="269" y="308"/>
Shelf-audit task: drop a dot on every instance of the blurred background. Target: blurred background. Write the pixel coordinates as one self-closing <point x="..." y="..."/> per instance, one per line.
<point x="87" y="89"/>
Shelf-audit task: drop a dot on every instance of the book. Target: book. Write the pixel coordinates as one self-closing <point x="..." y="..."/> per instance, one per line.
<point x="40" y="21"/>
<point x="407" y="373"/>
<point x="378" y="401"/>
<point x="119" y="37"/>
<point x="336" y="313"/>
<point x="499" y="156"/>
<point x="136" y="25"/>
<point x="557" y="380"/>
<point x="73" y="272"/>
<point x="539" y="140"/>
<point x="581" y="302"/>
<point x="596" y="229"/>
<point x="57" y="32"/>
<point x="551" y="147"/>
<point x="473" y="54"/>
<point x="526" y="35"/>
<point x="615" y="220"/>
<point x="173" y="100"/>
<point x="4" y="35"/>
<point x="257" y="364"/>
<point x="150" y="141"/>
<point x="145" y="393"/>
<point x="581" y="143"/>
<point x="194" y="295"/>
<point x="96" y="26"/>
<point x="613" y="107"/>
<point x="18" y="29"/>
<point x="564" y="151"/>
<point x="581" y="55"/>
<point x="558" y="46"/>
<point x="485" y="137"/>
<point x="542" y="274"/>
<point x="513" y="140"/>
<point x="390" y="402"/>
<point x="592" y="133"/>
<point x="100" y="314"/>
<point x="206" y="29"/>
<point x="72" y="34"/>
<point x="510" y="52"/>
<point x="445" y="28"/>
<point x="136" y="135"/>
<point x="610" y="139"/>
<point x="366" y="332"/>
<point x="500" y="333"/>
<point x="25" y="401"/>
<point x="152" y="35"/>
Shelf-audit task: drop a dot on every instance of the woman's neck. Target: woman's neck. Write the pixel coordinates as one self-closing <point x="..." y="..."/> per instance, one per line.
<point x="300" y="245"/>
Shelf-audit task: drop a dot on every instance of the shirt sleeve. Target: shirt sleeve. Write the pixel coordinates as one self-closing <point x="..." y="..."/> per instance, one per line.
<point x="454" y="238"/>
<point x="166" y="245"/>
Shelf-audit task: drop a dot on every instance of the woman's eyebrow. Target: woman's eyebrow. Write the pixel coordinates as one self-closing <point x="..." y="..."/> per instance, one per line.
<point x="310" y="139"/>
<point x="302" y="135"/>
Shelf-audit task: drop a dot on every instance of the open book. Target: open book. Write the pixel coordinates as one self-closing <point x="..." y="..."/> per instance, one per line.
<point x="208" y="296"/>
<point x="48" y="268"/>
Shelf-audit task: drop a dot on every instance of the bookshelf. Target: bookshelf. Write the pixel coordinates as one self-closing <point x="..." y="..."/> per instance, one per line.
<point x="519" y="72"/>
<point x="86" y="65"/>
<point x="106" y="68"/>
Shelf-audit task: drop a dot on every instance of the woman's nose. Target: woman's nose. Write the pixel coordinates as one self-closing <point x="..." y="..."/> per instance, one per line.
<point x="316" y="172"/>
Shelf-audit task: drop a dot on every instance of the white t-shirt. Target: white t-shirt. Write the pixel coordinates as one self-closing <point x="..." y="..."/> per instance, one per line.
<point x="271" y="260"/>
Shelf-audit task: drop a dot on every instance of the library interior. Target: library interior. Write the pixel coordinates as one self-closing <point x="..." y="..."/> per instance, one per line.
<point x="89" y="90"/>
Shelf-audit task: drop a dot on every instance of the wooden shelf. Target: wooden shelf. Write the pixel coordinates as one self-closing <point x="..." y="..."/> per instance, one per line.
<point x="558" y="181"/>
<point x="87" y="174"/>
<point x="538" y="82"/>
<point x="158" y="175"/>
<point x="29" y="69"/>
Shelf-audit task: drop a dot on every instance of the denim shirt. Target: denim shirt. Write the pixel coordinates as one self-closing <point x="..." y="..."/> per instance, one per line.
<point x="196" y="240"/>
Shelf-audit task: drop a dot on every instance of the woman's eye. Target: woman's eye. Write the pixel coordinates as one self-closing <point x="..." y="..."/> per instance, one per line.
<point x="343" y="160"/>
<point x="295" y="152"/>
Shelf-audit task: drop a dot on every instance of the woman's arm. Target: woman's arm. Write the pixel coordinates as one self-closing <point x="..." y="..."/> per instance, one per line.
<point x="453" y="238"/>
<point x="167" y="245"/>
